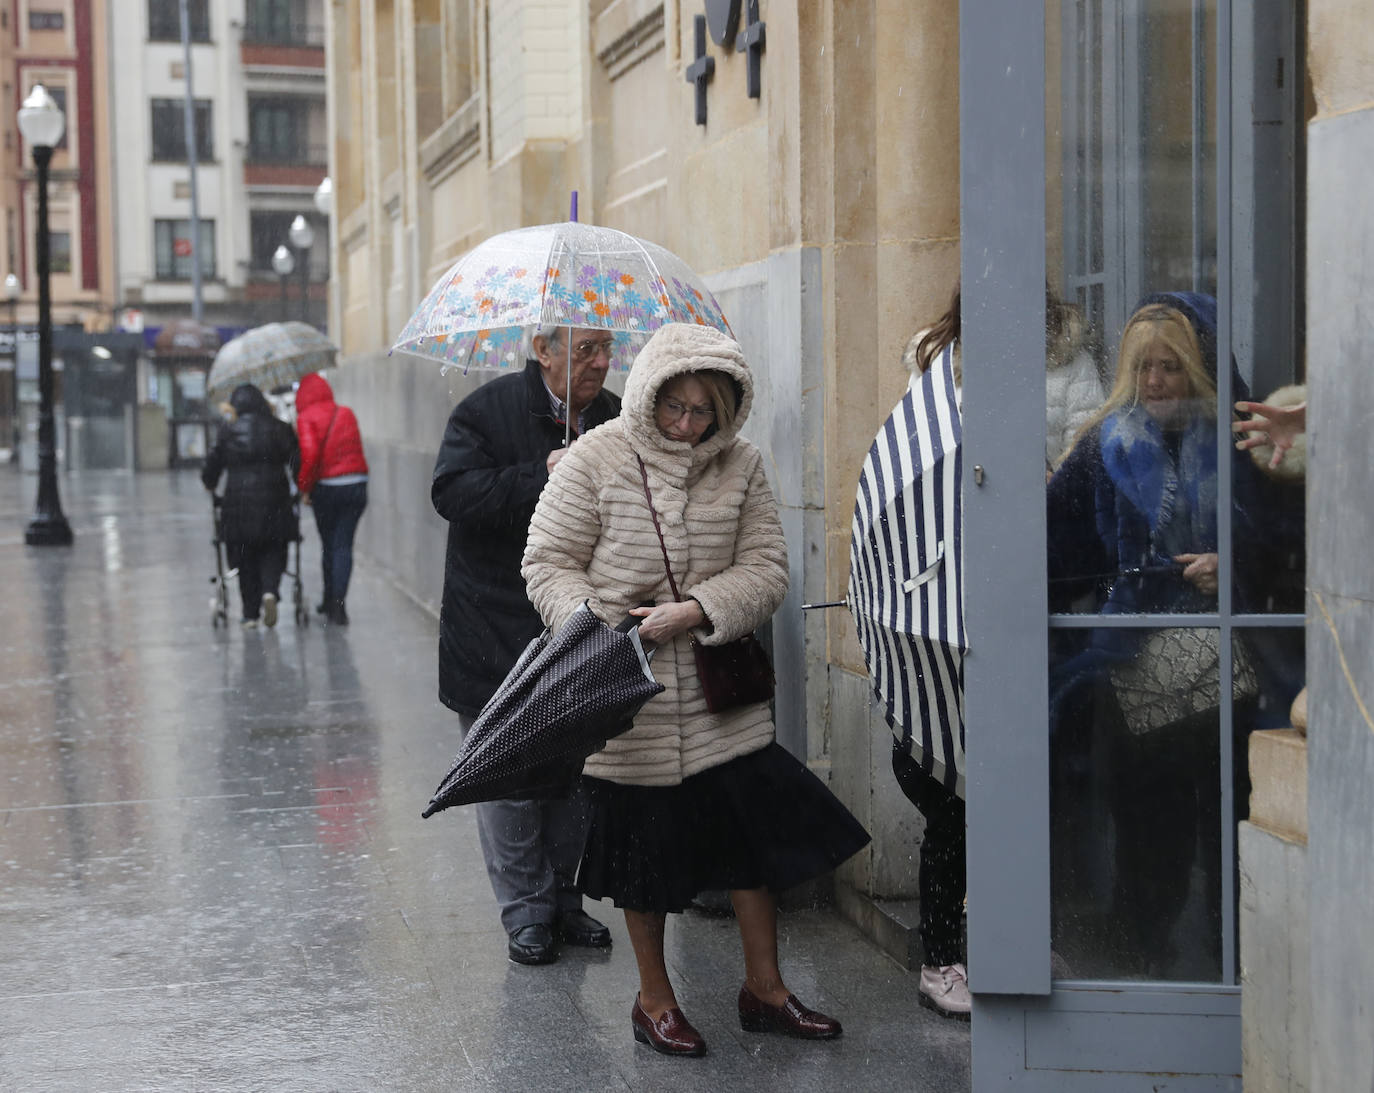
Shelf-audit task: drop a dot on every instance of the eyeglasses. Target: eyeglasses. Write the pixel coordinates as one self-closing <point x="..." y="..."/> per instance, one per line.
<point x="675" y="410"/>
<point x="586" y="352"/>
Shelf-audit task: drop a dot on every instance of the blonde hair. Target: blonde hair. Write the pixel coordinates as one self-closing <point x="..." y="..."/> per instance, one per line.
<point x="1151" y="325"/>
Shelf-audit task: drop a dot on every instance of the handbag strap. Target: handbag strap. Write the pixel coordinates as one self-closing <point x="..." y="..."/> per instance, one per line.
<point x="644" y="474"/>
<point x="324" y="441"/>
<point x="324" y="446"/>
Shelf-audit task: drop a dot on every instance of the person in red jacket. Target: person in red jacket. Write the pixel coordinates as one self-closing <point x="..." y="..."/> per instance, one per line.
<point x="333" y="481"/>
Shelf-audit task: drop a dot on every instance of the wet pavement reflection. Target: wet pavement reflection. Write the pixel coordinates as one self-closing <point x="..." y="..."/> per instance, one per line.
<point x="214" y="875"/>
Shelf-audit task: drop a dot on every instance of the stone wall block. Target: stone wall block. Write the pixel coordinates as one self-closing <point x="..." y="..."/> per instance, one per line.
<point x="1278" y="778"/>
<point x="1274" y="958"/>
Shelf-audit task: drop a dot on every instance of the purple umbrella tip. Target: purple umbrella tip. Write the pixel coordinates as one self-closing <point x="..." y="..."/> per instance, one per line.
<point x="573" y="217"/>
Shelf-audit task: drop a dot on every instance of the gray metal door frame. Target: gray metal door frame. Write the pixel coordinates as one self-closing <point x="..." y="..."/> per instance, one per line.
<point x="1030" y="1033"/>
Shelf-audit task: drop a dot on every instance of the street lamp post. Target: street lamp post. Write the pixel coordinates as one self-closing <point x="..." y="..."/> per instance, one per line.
<point x="283" y="263"/>
<point x="12" y="291"/>
<point x="324" y="197"/>
<point x="302" y="236"/>
<point x="324" y="205"/>
<point x="42" y="123"/>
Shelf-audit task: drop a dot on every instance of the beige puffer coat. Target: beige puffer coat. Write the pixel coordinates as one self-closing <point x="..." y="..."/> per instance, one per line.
<point x="592" y="538"/>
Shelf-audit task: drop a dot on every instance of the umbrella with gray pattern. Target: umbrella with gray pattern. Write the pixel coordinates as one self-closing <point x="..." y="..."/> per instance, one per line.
<point x="568" y="693"/>
<point x="273" y="355"/>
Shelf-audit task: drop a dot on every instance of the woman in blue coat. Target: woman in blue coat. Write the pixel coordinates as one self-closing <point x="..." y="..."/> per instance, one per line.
<point x="1133" y="527"/>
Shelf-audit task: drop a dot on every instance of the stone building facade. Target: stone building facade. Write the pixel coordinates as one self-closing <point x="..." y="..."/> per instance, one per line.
<point x="826" y="241"/>
<point x="825" y="215"/>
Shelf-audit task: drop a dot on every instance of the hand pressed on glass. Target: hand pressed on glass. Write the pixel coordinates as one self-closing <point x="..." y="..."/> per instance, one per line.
<point x="1270" y="424"/>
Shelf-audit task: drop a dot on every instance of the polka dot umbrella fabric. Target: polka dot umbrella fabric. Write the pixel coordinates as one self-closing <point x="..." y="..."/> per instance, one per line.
<point x="568" y="694"/>
<point x="568" y="274"/>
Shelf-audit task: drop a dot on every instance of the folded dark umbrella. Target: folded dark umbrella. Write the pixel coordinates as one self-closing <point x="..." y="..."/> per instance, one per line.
<point x="567" y="695"/>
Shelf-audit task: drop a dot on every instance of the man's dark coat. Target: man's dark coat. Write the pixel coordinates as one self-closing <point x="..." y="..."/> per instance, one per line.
<point x="489" y="474"/>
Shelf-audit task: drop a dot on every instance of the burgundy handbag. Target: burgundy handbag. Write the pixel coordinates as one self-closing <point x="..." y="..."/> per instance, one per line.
<point x="737" y="673"/>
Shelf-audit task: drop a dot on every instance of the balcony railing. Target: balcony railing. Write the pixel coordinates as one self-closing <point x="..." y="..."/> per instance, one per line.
<point x="284" y="33"/>
<point x="300" y="155"/>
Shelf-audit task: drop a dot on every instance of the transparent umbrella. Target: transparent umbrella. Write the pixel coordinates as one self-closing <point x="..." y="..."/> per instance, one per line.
<point x="269" y="356"/>
<point x="568" y="274"/>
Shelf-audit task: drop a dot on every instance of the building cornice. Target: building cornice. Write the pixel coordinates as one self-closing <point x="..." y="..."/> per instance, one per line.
<point x="454" y="143"/>
<point x="626" y="33"/>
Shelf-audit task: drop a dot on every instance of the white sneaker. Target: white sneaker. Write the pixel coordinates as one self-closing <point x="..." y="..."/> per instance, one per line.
<point x="269" y="610"/>
<point x="945" y="990"/>
<point x="249" y="624"/>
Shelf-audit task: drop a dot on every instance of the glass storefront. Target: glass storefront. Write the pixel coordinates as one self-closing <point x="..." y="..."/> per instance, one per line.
<point x="1173" y="572"/>
<point x="1147" y="762"/>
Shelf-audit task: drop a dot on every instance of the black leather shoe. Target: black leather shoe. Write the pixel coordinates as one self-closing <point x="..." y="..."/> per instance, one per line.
<point x="533" y="944"/>
<point x="579" y="928"/>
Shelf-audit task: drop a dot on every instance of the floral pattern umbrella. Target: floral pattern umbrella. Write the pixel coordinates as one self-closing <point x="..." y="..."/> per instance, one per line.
<point x="568" y="274"/>
<point x="269" y="356"/>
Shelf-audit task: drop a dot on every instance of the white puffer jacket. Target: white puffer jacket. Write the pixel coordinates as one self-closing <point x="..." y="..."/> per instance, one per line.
<point x="1073" y="388"/>
<point x="592" y="539"/>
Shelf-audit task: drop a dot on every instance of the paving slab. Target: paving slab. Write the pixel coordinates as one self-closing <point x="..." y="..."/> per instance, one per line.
<point x="214" y="875"/>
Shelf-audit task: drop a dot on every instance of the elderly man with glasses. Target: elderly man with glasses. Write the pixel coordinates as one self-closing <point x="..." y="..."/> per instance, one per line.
<point x="500" y="444"/>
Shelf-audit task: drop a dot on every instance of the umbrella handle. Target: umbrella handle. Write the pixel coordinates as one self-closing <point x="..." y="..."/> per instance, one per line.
<point x="926" y="574"/>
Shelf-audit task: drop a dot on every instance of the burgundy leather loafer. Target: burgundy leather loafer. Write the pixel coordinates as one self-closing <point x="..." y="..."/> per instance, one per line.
<point x="790" y="1019"/>
<point x="671" y="1034"/>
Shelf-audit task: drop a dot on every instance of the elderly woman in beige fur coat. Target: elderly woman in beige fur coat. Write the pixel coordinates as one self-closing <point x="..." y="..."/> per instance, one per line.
<point x="686" y="800"/>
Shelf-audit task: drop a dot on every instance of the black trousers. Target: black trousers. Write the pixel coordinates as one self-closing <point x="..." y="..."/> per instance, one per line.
<point x="260" y="567"/>
<point x="942" y="876"/>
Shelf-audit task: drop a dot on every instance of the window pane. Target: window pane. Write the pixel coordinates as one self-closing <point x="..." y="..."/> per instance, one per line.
<point x="173" y="251"/>
<point x="60" y="252"/>
<point x="169" y="130"/>
<point x="277" y="21"/>
<point x="1133" y="484"/>
<point x="164" y="20"/>
<point x="59" y="96"/>
<point x="269" y="230"/>
<point x="274" y="130"/>
<point x="1135" y="805"/>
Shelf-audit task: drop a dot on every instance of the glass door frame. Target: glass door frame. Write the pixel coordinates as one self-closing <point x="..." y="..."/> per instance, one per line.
<point x="1031" y="1032"/>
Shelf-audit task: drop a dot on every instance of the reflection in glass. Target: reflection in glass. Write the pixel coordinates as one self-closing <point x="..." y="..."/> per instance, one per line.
<point x="1132" y="506"/>
<point x="1148" y="755"/>
<point x="1136" y="805"/>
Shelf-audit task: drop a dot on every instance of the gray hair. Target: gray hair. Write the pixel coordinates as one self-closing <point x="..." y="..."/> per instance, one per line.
<point x="551" y="332"/>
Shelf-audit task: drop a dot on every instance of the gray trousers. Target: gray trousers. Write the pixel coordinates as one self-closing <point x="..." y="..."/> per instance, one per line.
<point x="532" y="850"/>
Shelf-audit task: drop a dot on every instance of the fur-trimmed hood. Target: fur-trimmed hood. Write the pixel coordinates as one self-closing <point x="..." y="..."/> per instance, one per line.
<point x="676" y="349"/>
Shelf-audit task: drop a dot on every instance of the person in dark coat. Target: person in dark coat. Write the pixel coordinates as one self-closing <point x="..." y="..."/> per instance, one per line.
<point x="1133" y="528"/>
<point x="500" y="444"/>
<point x="257" y="521"/>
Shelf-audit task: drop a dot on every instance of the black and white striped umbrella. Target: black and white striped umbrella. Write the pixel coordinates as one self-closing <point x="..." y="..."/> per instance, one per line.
<point x="905" y="571"/>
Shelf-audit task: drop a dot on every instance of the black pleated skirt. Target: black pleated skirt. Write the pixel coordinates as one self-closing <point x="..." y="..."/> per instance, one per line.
<point x="760" y="821"/>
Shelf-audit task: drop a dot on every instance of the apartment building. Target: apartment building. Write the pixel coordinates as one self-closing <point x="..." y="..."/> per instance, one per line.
<point x="59" y="44"/>
<point x="258" y="91"/>
<point x="257" y="77"/>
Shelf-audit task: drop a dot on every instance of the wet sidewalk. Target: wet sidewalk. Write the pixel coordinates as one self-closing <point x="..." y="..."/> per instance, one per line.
<point x="214" y="875"/>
